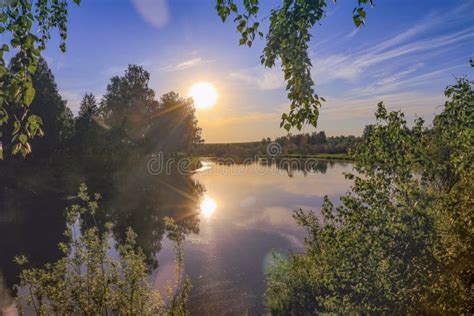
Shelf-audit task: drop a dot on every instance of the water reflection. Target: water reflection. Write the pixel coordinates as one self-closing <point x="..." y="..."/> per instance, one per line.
<point x="227" y="259"/>
<point x="139" y="200"/>
<point x="225" y="254"/>
<point x="208" y="206"/>
<point x="32" y="214"/>
<point x="269" y="166"/>
<point x="7" y="304"/>
<point x="31" y="223"/>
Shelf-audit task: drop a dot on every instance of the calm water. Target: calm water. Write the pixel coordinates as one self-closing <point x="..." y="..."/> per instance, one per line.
<point x="247" y="214"/>
<point x="234" y="217"/>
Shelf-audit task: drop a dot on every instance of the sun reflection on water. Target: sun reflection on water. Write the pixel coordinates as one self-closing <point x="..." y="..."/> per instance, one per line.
<point x="208" y="206"/>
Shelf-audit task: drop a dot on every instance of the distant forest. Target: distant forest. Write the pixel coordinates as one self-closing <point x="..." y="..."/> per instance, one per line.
<point x="314" y="144"/>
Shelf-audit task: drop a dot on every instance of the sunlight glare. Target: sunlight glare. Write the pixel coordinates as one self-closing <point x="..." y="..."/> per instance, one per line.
<point x="208" y="206"/>
<point x="204" y="95"/>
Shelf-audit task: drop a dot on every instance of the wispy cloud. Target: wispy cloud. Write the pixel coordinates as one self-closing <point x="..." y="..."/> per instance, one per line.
<point x="155" y="12"/>
<point x="352" y="33"/>
<point x="260" y="78"/>
<point x="354" y="65"/>
<point x="412" y="103"/>
<point x="398" y="82"/>
<point x="406" y="49"/>
<point x="190" y="63"/>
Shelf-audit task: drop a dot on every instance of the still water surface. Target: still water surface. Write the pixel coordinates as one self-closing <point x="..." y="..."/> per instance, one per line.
<point x="245" y="214"/>
<point x="234" y="217"/>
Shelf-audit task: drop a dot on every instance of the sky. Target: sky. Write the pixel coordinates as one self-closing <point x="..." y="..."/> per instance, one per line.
<point x="409" y="51"/>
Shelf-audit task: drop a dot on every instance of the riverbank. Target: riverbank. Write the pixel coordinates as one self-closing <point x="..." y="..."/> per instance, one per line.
<point x="315" y="156"/>
<point x="239" y="159"/>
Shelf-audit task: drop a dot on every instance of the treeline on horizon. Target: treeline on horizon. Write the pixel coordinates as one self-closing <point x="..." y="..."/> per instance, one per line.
<point x="298" y="145"/>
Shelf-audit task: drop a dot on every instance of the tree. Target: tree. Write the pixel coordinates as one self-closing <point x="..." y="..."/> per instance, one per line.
<point x="57" y="118"/>
<point x="176" y="124"/>
<point x="17" y="18"/>
<point x="287" y="41"/>
<point x="402" y="241"/>
<point x="47" y="104"/>
<point x="128" y="103"/>
<point x="88" y="109"/>
<point x="318" y="138"/>
<point x="86" y="131"/>
<point x="129" y="108"/>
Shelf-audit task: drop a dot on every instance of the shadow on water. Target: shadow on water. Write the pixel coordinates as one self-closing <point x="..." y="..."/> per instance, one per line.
<point x="33" y="203"/>
<point x="31" y="223"/>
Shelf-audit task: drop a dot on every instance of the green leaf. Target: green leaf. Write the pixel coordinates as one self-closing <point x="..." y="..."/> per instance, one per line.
<point x="241" y="25"/>
<point x="23" y="138"/>
<point x="16" y="127"/>
<point x="15" y="42"/>
<point x="30" y="94"/>
<point x="16" y="149"/>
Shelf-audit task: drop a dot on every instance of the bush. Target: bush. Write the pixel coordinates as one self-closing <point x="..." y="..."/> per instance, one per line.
<point x="88" y="280"/>
<point x="402" y="241"/>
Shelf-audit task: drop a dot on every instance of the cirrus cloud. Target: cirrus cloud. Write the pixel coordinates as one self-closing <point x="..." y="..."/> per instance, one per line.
<point x="155" y="12"/>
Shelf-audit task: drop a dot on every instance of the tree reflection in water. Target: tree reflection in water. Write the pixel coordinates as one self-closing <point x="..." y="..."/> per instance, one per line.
<point x="141" y="201"/>
<point x="31" y="223"/>
<point x="32" y="216"/>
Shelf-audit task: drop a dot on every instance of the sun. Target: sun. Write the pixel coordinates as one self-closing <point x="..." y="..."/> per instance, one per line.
<point x="204" y="95"/>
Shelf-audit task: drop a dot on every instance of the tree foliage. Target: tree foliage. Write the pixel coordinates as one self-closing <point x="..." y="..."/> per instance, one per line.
<point x="87" y="132"/>
<point x="17" y="18"/>
<point x="402" y="240"/>
<point x="57" y="119"/>
<point x="49" y="108"/>
<point x="131" y="112"/>
<point x="287" y="43"/>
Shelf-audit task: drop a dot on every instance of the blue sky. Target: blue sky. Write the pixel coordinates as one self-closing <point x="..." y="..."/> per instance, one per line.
<point x="405" y="56"/>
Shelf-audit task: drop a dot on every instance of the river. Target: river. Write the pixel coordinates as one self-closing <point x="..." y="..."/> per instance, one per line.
<point x="234" y="215"/>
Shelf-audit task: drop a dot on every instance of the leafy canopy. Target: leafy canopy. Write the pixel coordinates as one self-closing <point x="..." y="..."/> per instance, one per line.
<point x="402" y="240"/>
<point x="17" y="19"/>
<point x="287" y="41"/>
